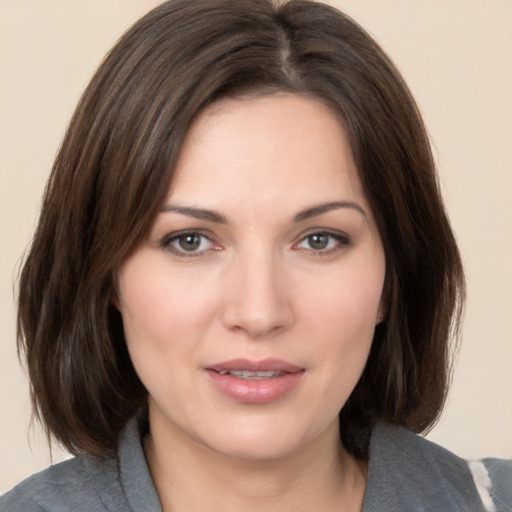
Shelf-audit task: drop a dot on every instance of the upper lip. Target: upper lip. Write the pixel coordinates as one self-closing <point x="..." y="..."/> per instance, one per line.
<point x="263" y="365"/>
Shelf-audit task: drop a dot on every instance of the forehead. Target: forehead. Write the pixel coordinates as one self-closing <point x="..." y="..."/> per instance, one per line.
<point x="266" y="147"/>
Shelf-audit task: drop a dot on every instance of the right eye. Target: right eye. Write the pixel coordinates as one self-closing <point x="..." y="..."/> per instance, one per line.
<point x="187" y="243"/>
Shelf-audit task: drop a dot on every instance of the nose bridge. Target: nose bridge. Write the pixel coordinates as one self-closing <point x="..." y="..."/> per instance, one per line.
<point x="258" y="302"/>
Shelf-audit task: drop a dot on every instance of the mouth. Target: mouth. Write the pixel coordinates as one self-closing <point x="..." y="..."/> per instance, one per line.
<point x="255" y="370"/>
<point x="250" y="375"/>
<point x="254" y="382"/>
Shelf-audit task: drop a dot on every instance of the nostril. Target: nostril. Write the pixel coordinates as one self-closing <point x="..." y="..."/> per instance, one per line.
<point x="257" y="323"/>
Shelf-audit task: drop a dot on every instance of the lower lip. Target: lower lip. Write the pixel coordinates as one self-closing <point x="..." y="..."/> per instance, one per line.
<point x="255" y="391"/>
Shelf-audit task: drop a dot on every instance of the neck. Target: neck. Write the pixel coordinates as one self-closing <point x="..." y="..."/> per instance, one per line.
<point x="191" y="476"/>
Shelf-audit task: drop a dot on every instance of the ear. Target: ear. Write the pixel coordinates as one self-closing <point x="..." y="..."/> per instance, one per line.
<point x="384" y="302"/>
<point x="115" y="301"/>
<point x="114" y="296"/>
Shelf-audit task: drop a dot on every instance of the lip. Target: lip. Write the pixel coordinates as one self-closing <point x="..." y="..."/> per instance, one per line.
<point x="264" y="365"/>
<point x="261" y="391"/>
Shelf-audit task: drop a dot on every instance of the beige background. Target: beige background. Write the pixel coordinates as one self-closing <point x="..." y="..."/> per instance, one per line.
<point x="456" y="56"/>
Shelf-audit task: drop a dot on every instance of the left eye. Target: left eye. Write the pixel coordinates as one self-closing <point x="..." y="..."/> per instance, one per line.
<point x="188" y="242"/>
<point x="322" y="241"/>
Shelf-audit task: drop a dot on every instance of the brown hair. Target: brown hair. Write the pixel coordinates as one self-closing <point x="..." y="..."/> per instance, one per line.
<point x="114" y="168"/>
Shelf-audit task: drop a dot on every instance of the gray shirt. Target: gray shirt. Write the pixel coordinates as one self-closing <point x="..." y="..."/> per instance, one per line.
<point x="406" y="473"/>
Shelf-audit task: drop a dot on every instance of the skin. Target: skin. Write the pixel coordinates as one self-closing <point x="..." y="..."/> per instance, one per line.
<point x="252" y="282"/>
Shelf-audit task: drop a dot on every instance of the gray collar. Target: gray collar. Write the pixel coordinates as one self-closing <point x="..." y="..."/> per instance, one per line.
<point x="134" y="472"/>
<point x="408" y="473"/>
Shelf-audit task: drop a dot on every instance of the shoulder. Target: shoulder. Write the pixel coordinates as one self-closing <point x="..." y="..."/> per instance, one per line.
<point x="493" y="479"/>
<point x="118" y="483"/>
<point x="77" y="484"/>
<point x="410" y="472"/>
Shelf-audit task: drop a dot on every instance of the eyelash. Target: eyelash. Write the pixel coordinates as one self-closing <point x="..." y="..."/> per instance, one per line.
<point x="340" y="239"/>
<point x="167" y="243"/>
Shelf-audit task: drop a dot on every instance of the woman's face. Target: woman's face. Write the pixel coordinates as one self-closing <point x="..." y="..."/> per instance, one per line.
<point x="250" y="311"/>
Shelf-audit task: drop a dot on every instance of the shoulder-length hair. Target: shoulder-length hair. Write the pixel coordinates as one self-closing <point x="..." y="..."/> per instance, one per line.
<point x="114" y="168"/>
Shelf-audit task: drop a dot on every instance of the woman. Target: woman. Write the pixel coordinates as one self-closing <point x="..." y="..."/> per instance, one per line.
<point x="243" y="282"/>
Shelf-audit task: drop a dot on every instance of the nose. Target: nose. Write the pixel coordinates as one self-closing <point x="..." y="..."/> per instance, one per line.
<point x="259" y="300"/>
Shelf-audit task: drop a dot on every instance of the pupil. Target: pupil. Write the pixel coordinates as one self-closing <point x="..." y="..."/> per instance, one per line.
<point x="189" y="242"/>
<point x="318" y="241"/>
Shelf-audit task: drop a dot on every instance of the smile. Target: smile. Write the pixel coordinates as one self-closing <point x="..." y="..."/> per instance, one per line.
<point x="250" y="375"/>
<point x="254" y="382"/>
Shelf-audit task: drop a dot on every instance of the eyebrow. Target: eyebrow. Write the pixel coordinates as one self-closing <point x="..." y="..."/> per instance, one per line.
<point x="326" y="207"/>
<point x="217" y="218"/>
<point x="197" y="213"/>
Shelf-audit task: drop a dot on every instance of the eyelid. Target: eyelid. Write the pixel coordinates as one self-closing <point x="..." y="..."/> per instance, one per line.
<point x="341" y="237"/>
<point x="166" y="242"/>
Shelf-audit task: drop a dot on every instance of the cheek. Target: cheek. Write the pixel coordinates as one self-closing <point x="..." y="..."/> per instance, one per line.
<point x="163" y="316"/>
<point x="343" y="314"/>
<point x="348" y="300"/>
<point x="159" y="304"/>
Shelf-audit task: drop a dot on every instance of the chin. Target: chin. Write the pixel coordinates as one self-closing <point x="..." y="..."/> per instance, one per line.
<point x="258" y="439"/>
<point x="255" y="448"/>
